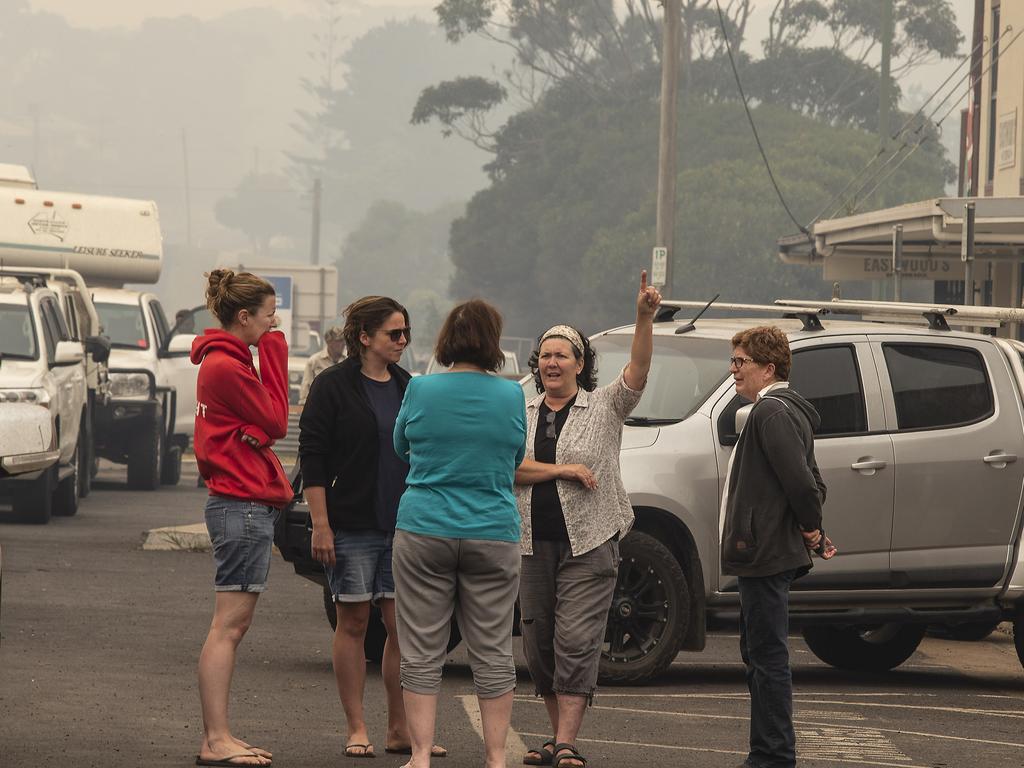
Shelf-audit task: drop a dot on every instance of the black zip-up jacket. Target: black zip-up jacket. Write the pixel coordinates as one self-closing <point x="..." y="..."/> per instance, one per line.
<point x="338" y="445"/>
<point x="775" y="489"/>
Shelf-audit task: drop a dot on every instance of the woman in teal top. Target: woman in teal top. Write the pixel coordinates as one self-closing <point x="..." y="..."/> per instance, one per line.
<point x="456" y="547"/>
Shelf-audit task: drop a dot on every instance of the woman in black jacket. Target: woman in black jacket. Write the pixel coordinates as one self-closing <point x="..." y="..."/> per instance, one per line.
<point x="353" y="481"/>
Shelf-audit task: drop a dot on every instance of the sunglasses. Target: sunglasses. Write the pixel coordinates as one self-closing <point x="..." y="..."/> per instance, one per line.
<point x="550" y="417"/>
<point x="396" y="334"/>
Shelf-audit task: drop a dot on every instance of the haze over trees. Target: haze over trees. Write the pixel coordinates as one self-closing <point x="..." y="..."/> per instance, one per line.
<point x="568" y="220"/>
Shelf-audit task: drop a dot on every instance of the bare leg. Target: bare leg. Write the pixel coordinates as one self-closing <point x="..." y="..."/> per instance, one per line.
<point x="232" y="615"/>
<point x="496" y="714"/>
<point x="421" y="712"/>
<point x="570" y="718"/>
<point x="349" y="661"/>
<point x="390" y="671"/>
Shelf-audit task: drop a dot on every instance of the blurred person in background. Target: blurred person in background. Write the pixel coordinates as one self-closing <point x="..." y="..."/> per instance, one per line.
<point x="239" y="413"/>
<point x="457" y="544"/>
<point x="332" y="354"/>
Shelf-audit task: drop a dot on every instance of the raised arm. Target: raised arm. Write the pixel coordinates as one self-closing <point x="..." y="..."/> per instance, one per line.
<point x="647" y="302"/>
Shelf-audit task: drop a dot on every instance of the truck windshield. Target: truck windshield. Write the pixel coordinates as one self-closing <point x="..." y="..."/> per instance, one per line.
<point x="124" y="325"/>
<point x="17" y="334"/>
<point x="684" y="372"/>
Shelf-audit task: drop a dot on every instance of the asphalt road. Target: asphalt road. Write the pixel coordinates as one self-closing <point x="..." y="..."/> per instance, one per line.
<point x="100" y="638"/>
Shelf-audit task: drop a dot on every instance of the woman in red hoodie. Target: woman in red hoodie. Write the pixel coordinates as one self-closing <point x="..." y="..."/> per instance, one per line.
<point x="239" y="413"/>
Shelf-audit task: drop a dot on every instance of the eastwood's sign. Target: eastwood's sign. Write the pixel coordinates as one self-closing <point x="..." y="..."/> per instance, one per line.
<point x="880" y="267"/>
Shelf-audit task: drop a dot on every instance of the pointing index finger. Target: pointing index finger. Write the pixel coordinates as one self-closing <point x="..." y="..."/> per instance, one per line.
<point x="643" y="280"/>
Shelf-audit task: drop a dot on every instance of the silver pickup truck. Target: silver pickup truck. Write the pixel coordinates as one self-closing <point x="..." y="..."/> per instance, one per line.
<point x="921" y="445"/>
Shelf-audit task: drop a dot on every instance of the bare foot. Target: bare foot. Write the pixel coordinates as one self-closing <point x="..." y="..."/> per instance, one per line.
<point x="255" y="750"/>
<point x="232" y="750"/>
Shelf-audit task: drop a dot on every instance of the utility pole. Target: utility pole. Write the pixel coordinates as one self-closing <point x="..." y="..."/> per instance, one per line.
<point x="885" y="75"/>
<point x="188" y="191"/>
<point x="314" y="240"/>
<point x="664" y="236"/>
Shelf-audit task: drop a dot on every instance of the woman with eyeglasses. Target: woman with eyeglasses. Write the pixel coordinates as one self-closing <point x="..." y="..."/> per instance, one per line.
<point x="457" y="543"/>
<point x="574" y="509"/>
<point x="352" y="481"/>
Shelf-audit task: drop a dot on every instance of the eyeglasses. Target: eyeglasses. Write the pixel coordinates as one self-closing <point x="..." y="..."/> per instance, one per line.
<point x="550" y="432"/>
<point x="396" y="334"/>
<point x="738" y="362"/>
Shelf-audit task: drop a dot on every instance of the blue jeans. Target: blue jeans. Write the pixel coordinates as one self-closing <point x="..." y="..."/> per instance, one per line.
<point x="242" y="535"/>
<point x="764" y="630"/>
<point x="362" y="567"/>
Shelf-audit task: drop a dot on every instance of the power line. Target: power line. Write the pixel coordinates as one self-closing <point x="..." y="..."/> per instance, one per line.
<point x="753" y="127"/>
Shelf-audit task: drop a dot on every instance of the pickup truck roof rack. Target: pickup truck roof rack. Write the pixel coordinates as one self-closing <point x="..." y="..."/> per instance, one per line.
<point x="30" y="280"/>
<point x="939" y="316"/>
<point x="807" y="315"/>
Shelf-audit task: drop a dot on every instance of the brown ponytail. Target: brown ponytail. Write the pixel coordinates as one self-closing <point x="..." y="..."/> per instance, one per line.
<point x="229" y="292"/>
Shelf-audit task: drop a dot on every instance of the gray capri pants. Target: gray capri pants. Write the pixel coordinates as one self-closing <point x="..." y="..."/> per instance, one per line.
<point x="475" y="578"/>
<point x="564" y="603"/>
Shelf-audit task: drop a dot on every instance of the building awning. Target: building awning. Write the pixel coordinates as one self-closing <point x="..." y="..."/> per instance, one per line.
<point x="860" y="247"/>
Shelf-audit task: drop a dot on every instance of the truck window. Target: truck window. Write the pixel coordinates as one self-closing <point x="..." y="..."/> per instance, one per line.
<point x="937" y="386"/>
<point x="159" y="322"/>
<point x="71" y="315"/>
<point x="54" y="329"/>
<point x="17" y="333"/>
<point x="684" y="372"/>
<point x="830" y="380"/>
<point x="124" y="325"/>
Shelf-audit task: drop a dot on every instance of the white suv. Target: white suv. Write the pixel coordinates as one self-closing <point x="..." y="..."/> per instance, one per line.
<point x="43" y="401"/>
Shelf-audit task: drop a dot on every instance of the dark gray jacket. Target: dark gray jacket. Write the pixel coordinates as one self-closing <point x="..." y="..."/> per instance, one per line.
<point x="775" y="488"/>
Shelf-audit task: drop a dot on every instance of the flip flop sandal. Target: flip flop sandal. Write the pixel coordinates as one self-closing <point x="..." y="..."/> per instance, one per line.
<point x="545" y="755"/>
<point x="435" y="751"/>
<point x="365" y="753"/>
<point x="572" y="755"/>
<point x="229" y="761"/>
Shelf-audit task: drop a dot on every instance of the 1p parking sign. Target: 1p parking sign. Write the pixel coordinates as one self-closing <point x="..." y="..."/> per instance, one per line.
<point x="659" y="266"/>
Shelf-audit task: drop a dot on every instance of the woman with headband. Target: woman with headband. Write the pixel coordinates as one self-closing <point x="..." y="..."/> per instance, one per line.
<point x="574" y="510"/>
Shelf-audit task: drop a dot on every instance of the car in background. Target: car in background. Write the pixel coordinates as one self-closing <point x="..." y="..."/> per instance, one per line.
<point x="508" y="371"/>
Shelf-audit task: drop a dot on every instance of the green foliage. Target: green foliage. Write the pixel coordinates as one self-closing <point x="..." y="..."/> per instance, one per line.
<point x="454" y="102"/>
<point x="568" y="223"/>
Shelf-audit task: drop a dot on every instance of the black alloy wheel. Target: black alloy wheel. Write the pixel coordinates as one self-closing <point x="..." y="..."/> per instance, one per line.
<point x="649" y="614"/>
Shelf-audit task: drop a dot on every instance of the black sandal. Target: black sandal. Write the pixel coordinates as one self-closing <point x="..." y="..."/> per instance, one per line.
<point x="544" y="756"/>
<point x="573" y="754"/>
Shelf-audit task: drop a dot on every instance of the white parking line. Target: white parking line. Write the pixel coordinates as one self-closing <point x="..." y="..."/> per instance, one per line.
<point x="803" y="722"/>
<point x="514" y="746"/>
<point x="680" y="748"/>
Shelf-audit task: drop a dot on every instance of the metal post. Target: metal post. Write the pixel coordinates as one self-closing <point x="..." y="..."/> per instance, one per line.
<point x="664" y="236"/>
<point x="314" y="240"/>
<point x="967" y="253"/>
<point x="897" y="263"/>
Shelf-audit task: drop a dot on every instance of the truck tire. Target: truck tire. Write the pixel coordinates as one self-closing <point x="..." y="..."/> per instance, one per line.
<point x="170" y="469"/>
<point x="865" y="649"/>
<point x="144" y="460"/>
<point x="1018" y="638"/>
<point x="649" y="615"/>
<point x="33" y="500"/>
<point x="65" y="495"/>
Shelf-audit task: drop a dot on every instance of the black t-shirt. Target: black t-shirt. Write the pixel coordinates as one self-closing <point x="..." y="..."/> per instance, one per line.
<point x="546" y="516"/>
<point x="385" y="400"/>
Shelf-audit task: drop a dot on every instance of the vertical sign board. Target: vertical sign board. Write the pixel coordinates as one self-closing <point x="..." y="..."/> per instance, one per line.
<point x="659" y="266"/>
<point x="284" y="288"/>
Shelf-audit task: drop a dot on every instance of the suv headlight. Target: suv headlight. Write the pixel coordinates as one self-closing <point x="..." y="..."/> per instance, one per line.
<point x="129" y="385"/>
<point x="32" y="395"/>
<point x="294" y="377"/>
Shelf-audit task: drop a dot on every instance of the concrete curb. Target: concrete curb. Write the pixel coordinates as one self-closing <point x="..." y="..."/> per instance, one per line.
<point x="188" y="538"/>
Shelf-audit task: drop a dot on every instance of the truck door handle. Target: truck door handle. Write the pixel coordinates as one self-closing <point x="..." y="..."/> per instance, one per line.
<point x="1000" y="460"/>
<point x="868" y="466"/>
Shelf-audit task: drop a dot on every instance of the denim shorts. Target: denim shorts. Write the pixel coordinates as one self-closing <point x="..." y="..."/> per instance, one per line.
<point x="362" y="567"/>
<point x="242" y="534"/>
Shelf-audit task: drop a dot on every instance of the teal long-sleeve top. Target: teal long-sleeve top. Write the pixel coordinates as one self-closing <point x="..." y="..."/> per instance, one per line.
<point x="463" y="435"/>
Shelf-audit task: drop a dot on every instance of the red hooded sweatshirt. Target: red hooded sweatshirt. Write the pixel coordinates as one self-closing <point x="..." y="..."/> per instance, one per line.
<point x="232" y="400"/>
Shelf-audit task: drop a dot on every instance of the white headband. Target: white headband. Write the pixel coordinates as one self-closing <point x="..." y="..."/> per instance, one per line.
<point x="566" y="332"/>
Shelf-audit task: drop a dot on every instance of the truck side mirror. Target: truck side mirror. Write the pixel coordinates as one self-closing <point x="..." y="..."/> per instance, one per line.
<point x="742" y="415"/>
<point x="179" y="345"/>
<point x="68" y="353"/>
<point x="98" y="347"/>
